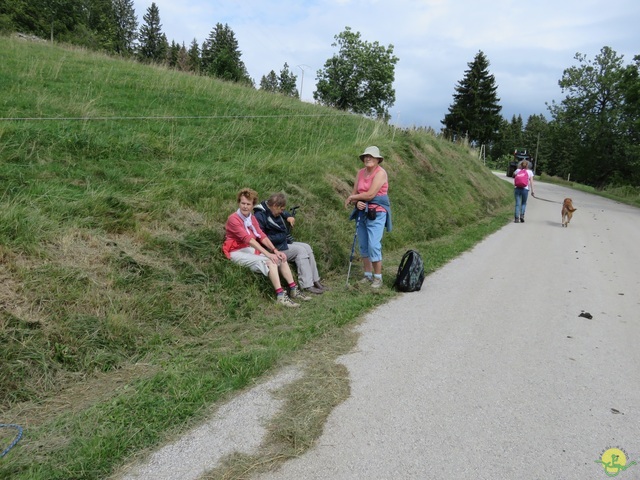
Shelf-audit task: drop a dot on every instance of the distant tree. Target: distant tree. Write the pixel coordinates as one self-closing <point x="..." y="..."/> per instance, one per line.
<point x="475" y="111"/>
<point x="153" y="43"/>
<point x="26" y="17"/>
<point x="61" y="17"/>
<point x="536" y="141"/>
<point x="287" y="82"/>
<point x="183" y="62"/>
<point x="126" y="27"/>
<point x="594" y="112"/>
<point x="269" y="82"/>
<point x="509" y="136"/>
<point x="359" y="78"/>
<point x="221" y="57"/>
<point x="194" y="57"/>
<point x="97" y="18"/>
<point x="172" y="54"/>
<point x="631" y="117"/>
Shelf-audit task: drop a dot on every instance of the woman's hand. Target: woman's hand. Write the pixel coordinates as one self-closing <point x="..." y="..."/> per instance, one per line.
<point x="275" y="258"/>
<point x="361" y="205"/>
<point x="348" y="201"/>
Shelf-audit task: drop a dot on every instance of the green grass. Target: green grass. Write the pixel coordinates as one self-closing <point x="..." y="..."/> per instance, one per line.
<point x="121" y="322"/>
<point x="624" y="194"/>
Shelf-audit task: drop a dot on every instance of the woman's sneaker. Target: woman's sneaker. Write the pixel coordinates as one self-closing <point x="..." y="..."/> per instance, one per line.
<point x="321" y="286"/>
<point x="299" y="294"/>
<point x="286" y="301"/>
<point x="377" y="283"/>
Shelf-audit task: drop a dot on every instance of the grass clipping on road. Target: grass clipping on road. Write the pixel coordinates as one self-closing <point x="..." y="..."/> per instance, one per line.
<point x="308" y="402"/>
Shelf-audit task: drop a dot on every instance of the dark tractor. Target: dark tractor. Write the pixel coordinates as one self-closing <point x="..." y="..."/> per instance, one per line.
<point x="518" y="156"/>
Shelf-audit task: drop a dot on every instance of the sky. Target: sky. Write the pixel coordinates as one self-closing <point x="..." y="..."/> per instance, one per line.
<point x="528" y="43"/>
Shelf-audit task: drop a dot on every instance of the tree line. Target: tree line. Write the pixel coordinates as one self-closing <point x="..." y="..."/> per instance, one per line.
<point x="593" y="136"/>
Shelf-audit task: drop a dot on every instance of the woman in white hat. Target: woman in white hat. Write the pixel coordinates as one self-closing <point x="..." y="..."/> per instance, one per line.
<point x="373" y="212"/>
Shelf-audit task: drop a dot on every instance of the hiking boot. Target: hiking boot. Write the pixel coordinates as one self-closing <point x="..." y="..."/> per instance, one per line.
<point x="376" y="283"/>
<point x="284" y="300"/>
<point x="315" y="290"/>
<point x="298" y="294"/>
<point x="517" y="220"/>
<point x="365" y="279"/>
<point x="322" y="287"/>
<point x="521" y="219"/>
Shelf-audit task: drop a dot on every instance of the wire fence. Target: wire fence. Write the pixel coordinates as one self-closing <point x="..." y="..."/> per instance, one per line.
<point x="169" y="117"/>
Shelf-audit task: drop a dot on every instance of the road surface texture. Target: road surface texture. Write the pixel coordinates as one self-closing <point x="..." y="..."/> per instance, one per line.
<point x="489" y="372"/>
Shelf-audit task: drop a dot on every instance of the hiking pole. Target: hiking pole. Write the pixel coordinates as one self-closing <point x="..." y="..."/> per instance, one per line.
<point x="290" y="238"/>
<point x="353" y="247"/>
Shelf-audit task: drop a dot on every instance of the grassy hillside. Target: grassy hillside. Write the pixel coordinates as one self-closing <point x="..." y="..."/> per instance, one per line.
<point x="121" y="322"/>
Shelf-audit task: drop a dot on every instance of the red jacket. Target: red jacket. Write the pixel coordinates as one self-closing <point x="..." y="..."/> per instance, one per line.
<point x="237" y="237"/>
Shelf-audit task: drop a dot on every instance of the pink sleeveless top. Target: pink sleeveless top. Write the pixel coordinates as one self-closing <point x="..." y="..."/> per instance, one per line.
<point x="364" y="183"/>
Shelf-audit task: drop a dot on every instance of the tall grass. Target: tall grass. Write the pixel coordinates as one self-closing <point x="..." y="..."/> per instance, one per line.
<point x="121" y="321"/>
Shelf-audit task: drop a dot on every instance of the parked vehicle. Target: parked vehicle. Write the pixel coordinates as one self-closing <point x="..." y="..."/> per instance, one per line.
<point x="518" y="156"/>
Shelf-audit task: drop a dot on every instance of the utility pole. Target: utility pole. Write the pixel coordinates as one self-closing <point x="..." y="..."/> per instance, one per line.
<point x="301" y="67"/>
<point x="535" y="160"/>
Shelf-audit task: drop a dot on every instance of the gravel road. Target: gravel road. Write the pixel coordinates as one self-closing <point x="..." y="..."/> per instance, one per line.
<point x="489" y="372"/>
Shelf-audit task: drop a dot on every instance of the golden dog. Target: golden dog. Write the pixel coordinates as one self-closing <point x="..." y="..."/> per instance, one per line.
<point x="567" y="211"/>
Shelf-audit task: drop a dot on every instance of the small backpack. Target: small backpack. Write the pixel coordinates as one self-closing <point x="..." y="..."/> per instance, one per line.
<point x="410" y="272"/>
<point x="521" y="179"/>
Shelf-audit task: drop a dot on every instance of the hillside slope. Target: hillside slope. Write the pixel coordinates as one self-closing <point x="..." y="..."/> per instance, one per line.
<point x="116" y="301"/>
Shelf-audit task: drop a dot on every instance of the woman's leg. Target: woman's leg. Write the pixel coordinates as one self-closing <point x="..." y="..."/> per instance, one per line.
<point x="517" y="193"/>
<point x="285" y="271"/>
<point x="299" y="253"/>
<point x="525" y="196"/>
<point x="273" y="276"/>
<point x="375" y="229"/>
<point x="363" y="243"/>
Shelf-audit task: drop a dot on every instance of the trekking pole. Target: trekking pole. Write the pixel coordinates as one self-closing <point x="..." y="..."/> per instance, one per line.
<point x="353" y="247"/>
<point x="290" y="238"/>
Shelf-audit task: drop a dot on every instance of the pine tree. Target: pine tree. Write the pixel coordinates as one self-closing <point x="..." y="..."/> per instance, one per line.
<point x="221" y="56"/>
<point x="153" y="43"/>
<point x="126" y="26"/>
<point x="183" y="62"/>
<point x="287" y="82"/>
<point x="194" y="57"/>
<point x="172" y="54"/>
<point x="269" y="83"/>
<point x="475" y="112"/>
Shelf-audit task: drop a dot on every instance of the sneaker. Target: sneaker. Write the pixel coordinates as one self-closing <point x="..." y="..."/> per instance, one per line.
<point x="366" y="280"/>
<point x="286" y="301"/>
<point x="315" y="290"/>
<point x="298" y="294"/>
<point x="376" y="283"/>
<point x="517" y="220"/>
<point x="521" y="219"/>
